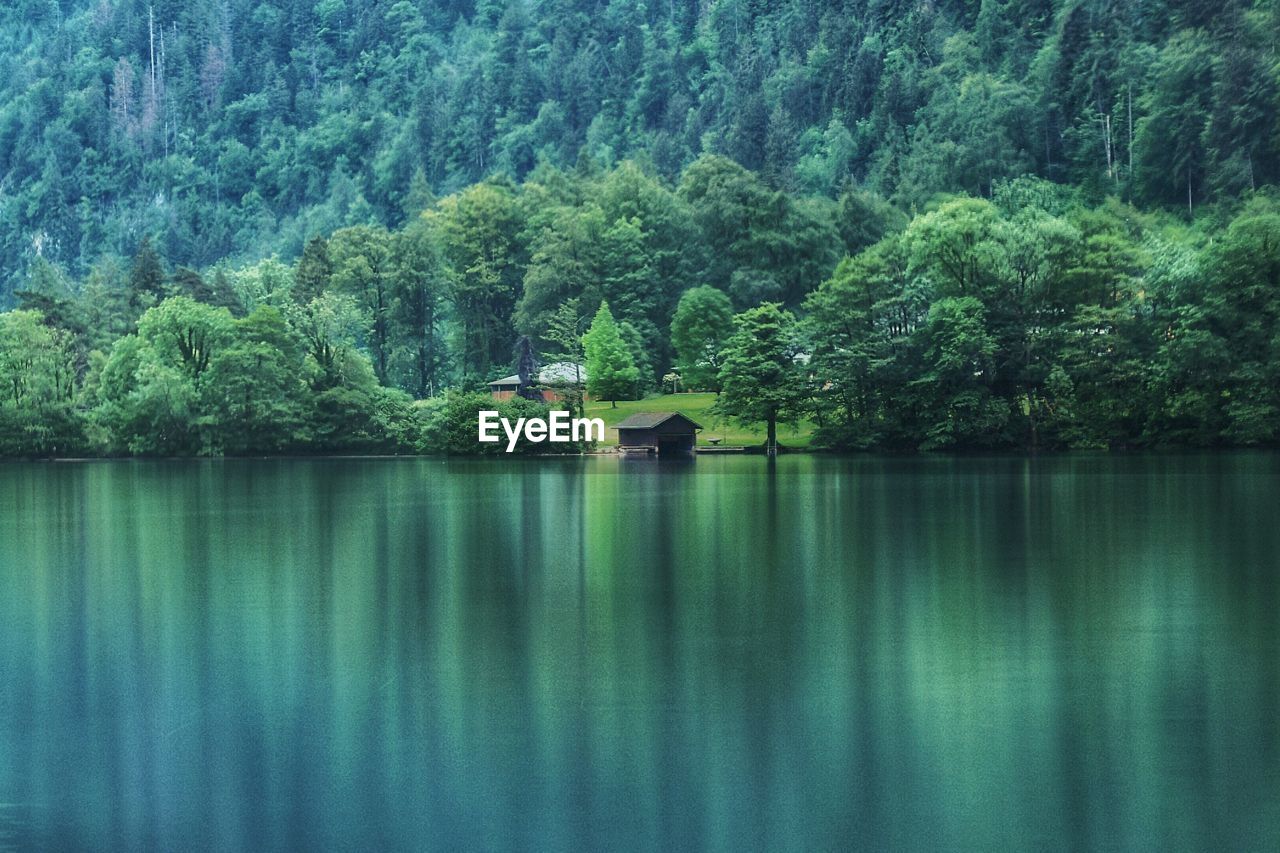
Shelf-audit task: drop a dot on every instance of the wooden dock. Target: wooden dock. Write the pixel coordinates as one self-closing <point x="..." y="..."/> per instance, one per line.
<point x="646" y="450"/>
<point x="637" y="450"/>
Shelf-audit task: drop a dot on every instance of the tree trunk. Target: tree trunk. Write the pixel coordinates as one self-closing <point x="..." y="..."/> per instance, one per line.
<point x="424" y="390"/>
<point x="1130" y="176"/>
<point x="1106" y="143"/>
<point x="1031" y="418"/>
<point x="578" y="398"/>
<point x="771" y="443"/>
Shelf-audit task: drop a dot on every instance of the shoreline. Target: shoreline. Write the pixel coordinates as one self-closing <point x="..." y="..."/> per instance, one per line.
<point x="612" y="453"/>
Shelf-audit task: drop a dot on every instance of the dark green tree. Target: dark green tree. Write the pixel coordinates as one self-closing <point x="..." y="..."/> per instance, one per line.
<point x="146" y="277"/>
<point x="760" y="380"/>
<point x="953" y="395"/>
<point x="363" y="268"/>
<point x="312" y="275"/>
<point x="702" y="323"/>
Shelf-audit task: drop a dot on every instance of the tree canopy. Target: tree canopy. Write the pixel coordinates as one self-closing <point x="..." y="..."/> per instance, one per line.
<point x="293" y="226"/>
<point x="246" y="128"/>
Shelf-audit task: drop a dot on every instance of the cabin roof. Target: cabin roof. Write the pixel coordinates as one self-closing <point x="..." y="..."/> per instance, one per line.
<point x="649" y="420"/>
<point x="556" y="373"/>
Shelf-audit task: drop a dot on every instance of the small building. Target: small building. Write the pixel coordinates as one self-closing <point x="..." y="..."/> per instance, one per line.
<point x="554" y="381"/>
<point x="664" y="433"/>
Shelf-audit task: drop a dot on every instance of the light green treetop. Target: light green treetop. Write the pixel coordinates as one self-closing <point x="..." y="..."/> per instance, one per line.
<point x="611" y="369"/>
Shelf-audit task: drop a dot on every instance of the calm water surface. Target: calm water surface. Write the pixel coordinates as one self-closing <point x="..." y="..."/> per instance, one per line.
<point x="975" y="654"/>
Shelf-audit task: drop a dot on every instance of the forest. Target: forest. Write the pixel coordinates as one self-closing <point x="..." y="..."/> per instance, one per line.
<point x="240" y="227"/>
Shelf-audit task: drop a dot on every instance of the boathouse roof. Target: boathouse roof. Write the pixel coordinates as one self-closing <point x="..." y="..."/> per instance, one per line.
<point x="649" y="420"/>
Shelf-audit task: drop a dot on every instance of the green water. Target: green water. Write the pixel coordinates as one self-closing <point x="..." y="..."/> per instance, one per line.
<point x="980" y="654"/>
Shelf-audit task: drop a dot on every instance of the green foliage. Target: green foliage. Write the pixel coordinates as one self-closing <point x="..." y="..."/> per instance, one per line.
<point x="146" y="277"/>
<point x="763" y="244"/>
<point x="262" y="125"/>
<point x="1242" y="304"/>
<point x="453" y="422"/>
<point x="953" y="248"/>
<point x="254" y="398"/>
<point x="362" y="269"/>
<point x="185" y="335"/>
<point x="856" y="322"/>
<point x="1020" y="326"/>
<point x="451" y="176"/>
<point x="620" y="236"/>
<point x="611" y="370"/>
<point x="37" y="388"/>
<point x="150" y="386"/>
<point x="759" y="376"/>
<point x="419" y="292"/>
<point x="480" y="233"/>
<point x="194" y="380"/>
<point x="702" y="324"/>
<point x="267" y="282"/>
<point x="864" y="218"/>
<point x="1169" y="141"/>
<point x="957" y="408"/>
<point x="1029" y="320"/>
<point x="976" y="129"/>
<point x="562" y="330"/>
<point x="313" y="272"/>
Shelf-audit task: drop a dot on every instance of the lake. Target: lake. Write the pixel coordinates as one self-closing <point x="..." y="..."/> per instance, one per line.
<point x="1067" y="652"/>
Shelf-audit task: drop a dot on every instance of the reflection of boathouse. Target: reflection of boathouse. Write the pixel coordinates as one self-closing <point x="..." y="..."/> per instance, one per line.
<point x="664" y="433"/>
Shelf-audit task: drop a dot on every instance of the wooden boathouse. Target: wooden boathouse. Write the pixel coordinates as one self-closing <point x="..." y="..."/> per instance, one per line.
<point x="663" y="433"/>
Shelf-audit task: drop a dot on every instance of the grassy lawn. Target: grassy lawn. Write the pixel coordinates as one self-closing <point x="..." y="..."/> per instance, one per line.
<point x="696" y="406"/>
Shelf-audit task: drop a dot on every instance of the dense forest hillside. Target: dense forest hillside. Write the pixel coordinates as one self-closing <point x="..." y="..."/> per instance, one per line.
<point x="239" y="227"/>
<point x="240" y="128"/>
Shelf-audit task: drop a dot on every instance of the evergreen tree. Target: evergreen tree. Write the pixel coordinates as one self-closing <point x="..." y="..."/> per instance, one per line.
<point x="611" y="369"/>
<point x="759" y="378"/>
<point x="312" y="275"/>
<point x="146" y="277"/>
<point x="527" y="369"/>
